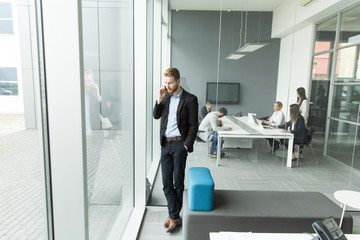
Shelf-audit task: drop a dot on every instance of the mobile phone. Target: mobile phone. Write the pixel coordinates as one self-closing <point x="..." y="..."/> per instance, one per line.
<point x="165" y="90"/>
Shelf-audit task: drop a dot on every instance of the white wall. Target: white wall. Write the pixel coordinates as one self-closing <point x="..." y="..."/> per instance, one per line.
<point x="294" y="65"/>
<point x="291" y="12"/>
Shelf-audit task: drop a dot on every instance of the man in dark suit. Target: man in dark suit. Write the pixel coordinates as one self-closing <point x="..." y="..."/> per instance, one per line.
<point x="205" y="110"/>
<point x="178" y="111"/>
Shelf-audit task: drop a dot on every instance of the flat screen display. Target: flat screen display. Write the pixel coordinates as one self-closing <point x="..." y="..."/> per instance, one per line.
<point x="223" y="93"/>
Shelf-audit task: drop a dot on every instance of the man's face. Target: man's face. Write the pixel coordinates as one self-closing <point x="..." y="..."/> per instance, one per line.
<point x="209" y="106"/>
<point x="171" y="84"/>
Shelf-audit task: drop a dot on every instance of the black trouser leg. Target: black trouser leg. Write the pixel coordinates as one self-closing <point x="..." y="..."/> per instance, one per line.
<point x="173" y="162"/>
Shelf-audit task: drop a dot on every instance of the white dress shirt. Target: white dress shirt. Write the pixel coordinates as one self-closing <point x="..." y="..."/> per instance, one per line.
<point x="304" y="110"/>
<point x="277" y="118"/>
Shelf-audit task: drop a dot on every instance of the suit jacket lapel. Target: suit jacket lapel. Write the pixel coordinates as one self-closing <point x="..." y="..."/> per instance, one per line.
<point x="181" y="103"/>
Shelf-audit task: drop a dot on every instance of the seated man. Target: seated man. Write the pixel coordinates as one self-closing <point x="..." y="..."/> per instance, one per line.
<point x="210" y="124"/>
<point x="204" y="111"/>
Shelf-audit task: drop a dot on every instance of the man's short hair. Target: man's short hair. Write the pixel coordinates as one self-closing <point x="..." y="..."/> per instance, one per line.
<point x="209" y="103"/>
<point x="223" y="111"/>
<point x="172" y="72"/>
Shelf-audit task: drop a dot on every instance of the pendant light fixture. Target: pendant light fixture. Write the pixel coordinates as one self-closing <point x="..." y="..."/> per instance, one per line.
<point x="252" y="47"/>
<point x="236" y="56"/>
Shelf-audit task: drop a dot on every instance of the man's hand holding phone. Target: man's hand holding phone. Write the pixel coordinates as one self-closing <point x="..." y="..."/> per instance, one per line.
<point x="162" y="93"/>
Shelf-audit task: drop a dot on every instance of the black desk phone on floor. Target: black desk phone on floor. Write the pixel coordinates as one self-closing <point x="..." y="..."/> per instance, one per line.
<point x="328" y="229"/>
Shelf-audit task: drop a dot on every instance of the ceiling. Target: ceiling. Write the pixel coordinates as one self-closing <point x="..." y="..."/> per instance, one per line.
<point x="233" y="5"/>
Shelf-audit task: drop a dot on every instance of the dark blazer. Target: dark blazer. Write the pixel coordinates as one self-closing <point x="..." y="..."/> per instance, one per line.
<point x="186" y="117"/>
<point x="202" y="114"/>
<point x="299" y="129"/>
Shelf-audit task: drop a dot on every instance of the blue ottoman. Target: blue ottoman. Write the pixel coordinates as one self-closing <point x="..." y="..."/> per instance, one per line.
<point x="200" y="189"/>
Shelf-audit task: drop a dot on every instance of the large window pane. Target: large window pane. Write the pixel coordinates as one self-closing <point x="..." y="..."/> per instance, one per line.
<point x="346" y="102"/>
<point x="325" y="35"/>
<point x="6" y="22"/>
<point x="341" y="141"/>
<point x="321" y="67"/>
<point x="6" y="26"/>
<point x="5" y="10"/>
<point x="23" y="213"/>
<point x="346" y="65"/>
<point x="108" y="79"/>
<point x="8" y="88"/>
<point x="350" y="27"/>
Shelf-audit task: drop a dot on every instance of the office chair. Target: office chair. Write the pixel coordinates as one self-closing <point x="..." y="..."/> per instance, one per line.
<point x="308" y="134"/>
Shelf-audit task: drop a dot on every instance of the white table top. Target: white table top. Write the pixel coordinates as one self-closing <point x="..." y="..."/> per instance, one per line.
<point x="237" y="130"/>
<point x="349" y="198"/>
<point x="271" y="236"/>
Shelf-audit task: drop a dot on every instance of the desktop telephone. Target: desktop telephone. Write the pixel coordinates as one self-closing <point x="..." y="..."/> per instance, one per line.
<point x="328" y="229"/>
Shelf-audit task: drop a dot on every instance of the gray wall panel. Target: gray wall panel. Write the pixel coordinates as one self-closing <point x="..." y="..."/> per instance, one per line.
<point x="195" y="39"/>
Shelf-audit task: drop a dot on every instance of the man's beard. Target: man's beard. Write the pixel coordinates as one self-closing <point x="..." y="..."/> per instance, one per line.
<point x="173" y="90"/>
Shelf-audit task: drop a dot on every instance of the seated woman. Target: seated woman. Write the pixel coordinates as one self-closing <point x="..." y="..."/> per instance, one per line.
<point x="296" y="126"/>
<point x="276" y="119"/>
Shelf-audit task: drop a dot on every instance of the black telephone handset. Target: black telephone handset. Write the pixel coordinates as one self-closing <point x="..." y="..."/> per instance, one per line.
<point x="328" y="229"/>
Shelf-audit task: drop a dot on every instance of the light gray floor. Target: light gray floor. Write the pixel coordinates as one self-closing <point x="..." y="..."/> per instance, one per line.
<point x="257" y="169"/>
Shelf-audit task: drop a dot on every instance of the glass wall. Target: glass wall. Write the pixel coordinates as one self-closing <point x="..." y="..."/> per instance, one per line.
<point x="149" y="77"/>
<point x="321" y="72"/>
<point x="108" y="79"/>
<point x="23" y="150"/>
<point x="336" y="80"/>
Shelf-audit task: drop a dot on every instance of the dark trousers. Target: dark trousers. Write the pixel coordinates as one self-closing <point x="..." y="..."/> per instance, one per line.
<point x="283" y="142"/>
<point x="173" y="162"/>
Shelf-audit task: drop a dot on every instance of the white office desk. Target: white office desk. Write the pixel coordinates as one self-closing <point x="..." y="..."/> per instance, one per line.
<point x="276" y="236"/>
<point x="241" y="128"/>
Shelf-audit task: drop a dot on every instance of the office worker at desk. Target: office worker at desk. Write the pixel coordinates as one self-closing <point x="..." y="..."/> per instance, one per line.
<point x="205" y="110"/>
<point x="296" y="126"/>
<point x="209" y="125"/>
<point x="276" y="119"/>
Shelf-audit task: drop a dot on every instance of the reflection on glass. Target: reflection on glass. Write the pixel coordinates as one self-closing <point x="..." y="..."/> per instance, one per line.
<point x="325" y="35"/>
<point x="346" y="102"/>
<point x="341" y="141"/>
<point x="356" y="164"/>
<point x="107" y="41"/>
<point x="320" y="90"/>
<point x="149" y="82"/>
<point x="346" y="62"/>
<point x="350" y="27"/>
<point x="321" y="66"/>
